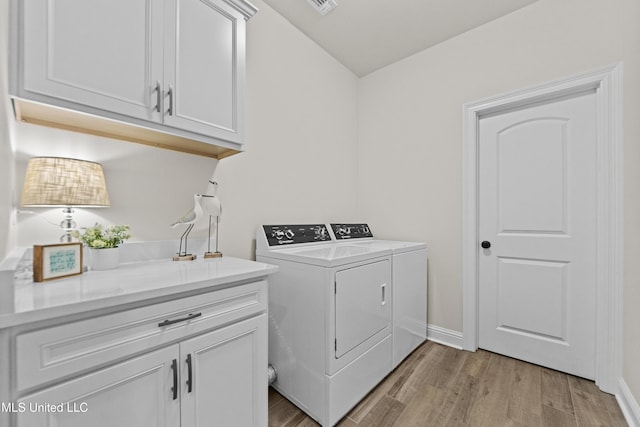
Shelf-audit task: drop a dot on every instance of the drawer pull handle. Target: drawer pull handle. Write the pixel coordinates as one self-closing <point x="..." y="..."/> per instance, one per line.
<point x="189" y="374"/>
<point x="174" y="368"/>
<point x="182" y="319"/>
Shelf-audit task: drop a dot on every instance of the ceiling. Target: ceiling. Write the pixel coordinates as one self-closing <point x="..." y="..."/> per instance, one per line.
<point x="366" y="35"/>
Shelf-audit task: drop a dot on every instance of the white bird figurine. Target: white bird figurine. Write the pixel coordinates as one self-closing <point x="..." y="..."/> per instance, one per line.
<point x="188" y="219"/>
<point x="210" y="203"/>
<point x="212" y="187"/>
<point x="193" y="215"/>
<point x="212" y="207"/>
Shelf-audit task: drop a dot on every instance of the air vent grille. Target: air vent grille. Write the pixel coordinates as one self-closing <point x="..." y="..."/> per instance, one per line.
<point x="323" y="6"/>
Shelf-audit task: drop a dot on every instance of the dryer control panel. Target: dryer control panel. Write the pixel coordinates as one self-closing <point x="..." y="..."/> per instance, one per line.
<point x="278" y="235"/>
<point x="351" y="231"/>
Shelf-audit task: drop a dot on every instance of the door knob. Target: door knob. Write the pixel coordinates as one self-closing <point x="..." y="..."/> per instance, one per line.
<point x="485" y="244"/>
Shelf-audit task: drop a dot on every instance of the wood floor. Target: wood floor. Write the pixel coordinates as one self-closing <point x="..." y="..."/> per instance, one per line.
<point x="442" y="386"/>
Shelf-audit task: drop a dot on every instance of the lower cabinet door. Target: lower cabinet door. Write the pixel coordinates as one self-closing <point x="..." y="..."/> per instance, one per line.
<point x="228" y="372"/>
<point x="136" y="393"/>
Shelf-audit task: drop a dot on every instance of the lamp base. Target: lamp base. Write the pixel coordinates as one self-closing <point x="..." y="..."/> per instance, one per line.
<point x="187" y="257"/>
<point x="213" y="254"/>
<point x="68" y="225"/>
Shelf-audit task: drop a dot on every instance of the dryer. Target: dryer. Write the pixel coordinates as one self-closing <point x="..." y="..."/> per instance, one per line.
<point x="329" y="318"/>
<point x="409" y="279"/>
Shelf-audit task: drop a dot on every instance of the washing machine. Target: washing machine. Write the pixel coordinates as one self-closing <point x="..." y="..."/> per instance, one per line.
<point x="330" y="319"/>
<point x="409" y="280"/>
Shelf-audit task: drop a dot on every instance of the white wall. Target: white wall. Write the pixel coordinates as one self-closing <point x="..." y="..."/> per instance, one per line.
<point x="302" y="104"/>
<point x="302" y="133"/>
<point x="7" y="236"/>
<point x="410" y="124"/>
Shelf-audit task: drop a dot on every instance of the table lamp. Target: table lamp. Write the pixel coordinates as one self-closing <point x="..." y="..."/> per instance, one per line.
<point x="68" y="183"/>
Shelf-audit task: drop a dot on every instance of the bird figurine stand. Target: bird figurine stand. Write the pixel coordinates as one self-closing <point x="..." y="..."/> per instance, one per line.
<point x="183" y="255"/>
<point x="216" y="254"/>
<point x="212" y="207"/>
<point x="188" y="219"/>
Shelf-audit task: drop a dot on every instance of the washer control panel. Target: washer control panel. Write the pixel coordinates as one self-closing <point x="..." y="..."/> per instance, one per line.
<point x="351" y="231"/>
<point x="278" y="235"/>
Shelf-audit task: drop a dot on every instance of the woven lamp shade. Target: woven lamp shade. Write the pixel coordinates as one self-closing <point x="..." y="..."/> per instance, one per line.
<point x="56" y="181"/>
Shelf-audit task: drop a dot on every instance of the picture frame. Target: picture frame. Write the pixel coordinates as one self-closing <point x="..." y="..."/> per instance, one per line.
<point x="56" y="261"/>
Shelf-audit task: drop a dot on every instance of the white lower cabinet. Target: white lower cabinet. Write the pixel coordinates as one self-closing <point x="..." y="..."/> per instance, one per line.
<point x="228" y="371"/>
<point x="200" y="361"/>
<point x="215" y="379"/>
<point x="133" y="393"/>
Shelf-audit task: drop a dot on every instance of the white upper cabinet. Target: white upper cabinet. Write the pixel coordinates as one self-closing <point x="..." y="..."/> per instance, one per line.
<point x="204" y="65"/>
<point x="102" y="54"/>
<point x="172" y="70"/>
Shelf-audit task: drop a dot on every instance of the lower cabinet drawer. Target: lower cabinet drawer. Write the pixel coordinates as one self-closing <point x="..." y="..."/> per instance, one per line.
<point x="53" y="353"/>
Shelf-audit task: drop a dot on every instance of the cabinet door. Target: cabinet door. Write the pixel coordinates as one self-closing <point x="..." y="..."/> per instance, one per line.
<point x="204" y="68"/>
<point x="229" y="376"/>
<point x="102" y="54"/>
<point x="136" y="393"/>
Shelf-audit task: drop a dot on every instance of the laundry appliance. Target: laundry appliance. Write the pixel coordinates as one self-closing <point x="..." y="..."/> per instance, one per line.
<point x="409" y="280"/>
<point x="329" y="318"/>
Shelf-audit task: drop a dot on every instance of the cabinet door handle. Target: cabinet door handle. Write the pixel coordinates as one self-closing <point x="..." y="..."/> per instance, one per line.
<point x="383" y="289"/>
<point x="158" y="95"/>
<point x="174" y="368"/>
<point x="189" y="374"/>
<point x="182" y="319"/>
<point x="170" y="93"/>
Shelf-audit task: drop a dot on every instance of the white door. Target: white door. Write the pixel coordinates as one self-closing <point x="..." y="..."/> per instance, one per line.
<point x="135" y="393"/>
<point x="203" y="67"/>
<point x="103" y="54"/>
<point x="362" y="302"/>
<point x="537" y="210"/>
<point x="224" y="376"/>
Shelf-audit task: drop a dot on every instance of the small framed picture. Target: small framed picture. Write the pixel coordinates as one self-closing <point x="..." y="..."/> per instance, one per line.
<point x="56" y="261"/>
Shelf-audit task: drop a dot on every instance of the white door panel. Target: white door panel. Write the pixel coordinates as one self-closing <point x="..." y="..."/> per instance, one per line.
<point x="537" y="207"/>
<point x="228" y="371"/>
<point x="363" y="304"/>
<point x="73" y="52"/>
<point x="202" y="67"/>
<point x="526" y="285"/>
<point x="532" y="175"/>
<point x="135" y="393"/>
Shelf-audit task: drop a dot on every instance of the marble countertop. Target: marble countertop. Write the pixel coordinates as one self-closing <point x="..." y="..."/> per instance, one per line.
<point x="24" y="301"/>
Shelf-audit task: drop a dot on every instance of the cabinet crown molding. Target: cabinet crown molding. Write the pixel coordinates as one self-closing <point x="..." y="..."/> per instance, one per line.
<point x="244" y="7"/>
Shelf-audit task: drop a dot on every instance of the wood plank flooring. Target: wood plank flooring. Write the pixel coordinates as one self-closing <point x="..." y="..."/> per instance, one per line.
<point x="441" y="386"/>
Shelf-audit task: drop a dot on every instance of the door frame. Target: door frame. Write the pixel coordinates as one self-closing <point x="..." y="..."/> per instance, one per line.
<point x="607" y="84"/>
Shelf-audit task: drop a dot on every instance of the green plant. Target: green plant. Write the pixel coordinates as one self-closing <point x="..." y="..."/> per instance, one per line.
<point x="100" y="237"/>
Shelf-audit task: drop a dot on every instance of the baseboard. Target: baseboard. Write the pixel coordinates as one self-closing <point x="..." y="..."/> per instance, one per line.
<point x="628" y="404"/>
<point x="444" y="336"/>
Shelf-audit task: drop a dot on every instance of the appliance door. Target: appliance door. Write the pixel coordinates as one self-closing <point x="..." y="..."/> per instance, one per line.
<point x="362" y="304"/>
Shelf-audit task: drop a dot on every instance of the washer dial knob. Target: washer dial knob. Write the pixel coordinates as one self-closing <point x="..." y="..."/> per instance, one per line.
<point x="320" y="233"/>
<point x="343" y="231"/>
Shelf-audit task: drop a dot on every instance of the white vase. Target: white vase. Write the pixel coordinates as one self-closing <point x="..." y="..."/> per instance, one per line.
<point x="104" y="259"/>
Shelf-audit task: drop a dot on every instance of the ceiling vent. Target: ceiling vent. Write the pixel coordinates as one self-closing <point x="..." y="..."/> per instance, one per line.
<point x="323" y="6"/>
